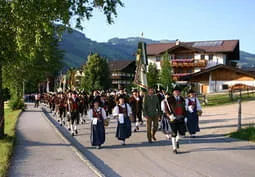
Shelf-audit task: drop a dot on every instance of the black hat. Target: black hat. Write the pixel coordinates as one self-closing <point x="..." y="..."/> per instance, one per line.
<point x="191" y="91"/>
<point x="134" y="90"/>
<point x="121" y="97"/>
<point x="74" y="92"/>
<point x="177" y="88"/>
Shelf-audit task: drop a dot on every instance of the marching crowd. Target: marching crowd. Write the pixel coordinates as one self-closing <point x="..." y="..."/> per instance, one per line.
<point x="170" y="112"/>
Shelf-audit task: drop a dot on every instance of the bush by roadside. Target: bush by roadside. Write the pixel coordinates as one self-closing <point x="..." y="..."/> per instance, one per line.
<point x="6" y="144"/>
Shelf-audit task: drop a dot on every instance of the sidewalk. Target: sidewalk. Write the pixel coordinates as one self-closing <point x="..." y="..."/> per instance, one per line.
<point x="40" y="151"/>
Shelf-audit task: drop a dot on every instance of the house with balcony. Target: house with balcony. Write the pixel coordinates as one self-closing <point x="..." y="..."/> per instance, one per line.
<point x="191" y="57"/>
<point x="122" y="72"/>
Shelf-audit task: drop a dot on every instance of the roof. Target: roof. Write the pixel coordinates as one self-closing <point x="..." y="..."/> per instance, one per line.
<point x="220" y="66"/>
<point x="119" y="64"/>
<point x="206" y="46"/>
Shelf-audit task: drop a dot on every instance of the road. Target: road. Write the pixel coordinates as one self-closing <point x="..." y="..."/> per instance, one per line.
<point x="211" y="153"/>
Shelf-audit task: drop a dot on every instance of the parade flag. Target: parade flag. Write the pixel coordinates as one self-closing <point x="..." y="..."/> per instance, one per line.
<point x="141" y="66"/>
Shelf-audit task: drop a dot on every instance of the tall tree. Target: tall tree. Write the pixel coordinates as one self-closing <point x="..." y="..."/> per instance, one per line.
<point x="96" y="73"/>
<point x="152" y="75"/>
<point x="25" y="26"/>
<point x="166" y="73"/>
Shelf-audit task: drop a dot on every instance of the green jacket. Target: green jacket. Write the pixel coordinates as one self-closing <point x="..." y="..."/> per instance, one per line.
<point x="151" y="106"/>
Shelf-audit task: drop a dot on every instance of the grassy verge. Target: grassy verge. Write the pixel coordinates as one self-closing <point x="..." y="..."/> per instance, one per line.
<point x="245" y="134"/>
<point x="222" y="99"/>
<point x="6" y="144"/>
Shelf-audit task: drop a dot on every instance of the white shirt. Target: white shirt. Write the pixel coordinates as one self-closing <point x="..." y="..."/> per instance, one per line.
<point x="116" y="110"/>
<point x="90" y="113"/>
<point x="192" y="99"/>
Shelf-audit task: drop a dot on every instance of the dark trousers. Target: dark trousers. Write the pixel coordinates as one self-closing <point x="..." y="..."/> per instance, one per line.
<point x="151" y="131"/>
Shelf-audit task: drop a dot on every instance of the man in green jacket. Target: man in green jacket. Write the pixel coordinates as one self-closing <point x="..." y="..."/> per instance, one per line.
<point x="151" y="111"/>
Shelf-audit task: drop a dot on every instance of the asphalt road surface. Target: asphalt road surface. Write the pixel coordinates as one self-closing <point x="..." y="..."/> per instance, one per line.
<point x="209" y="154"/>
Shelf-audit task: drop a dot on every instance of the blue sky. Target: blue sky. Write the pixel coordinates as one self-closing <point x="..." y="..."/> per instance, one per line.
<point x="186" y="20"/>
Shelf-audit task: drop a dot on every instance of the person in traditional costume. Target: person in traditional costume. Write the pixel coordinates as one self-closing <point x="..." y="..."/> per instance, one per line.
<point x="152" y="112"/>
<point x="74" y="101"/>
<point x="136" y="104"/>
<point x="123" y="112"/>
<point x="165" y="124"/>
<point x="61" y="107"/>
<point x="193" y="108"/>
<point x="177" y="114"/>
<point x="97" y="115"/>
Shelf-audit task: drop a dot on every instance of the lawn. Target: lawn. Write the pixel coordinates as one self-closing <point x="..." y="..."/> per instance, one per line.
<point x="245" y="134"/>
<point x="221" y="99"/>
<point x="6" y="144"/>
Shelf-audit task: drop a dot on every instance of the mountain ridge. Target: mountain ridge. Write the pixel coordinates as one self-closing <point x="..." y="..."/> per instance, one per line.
<point x="77" y="47"/>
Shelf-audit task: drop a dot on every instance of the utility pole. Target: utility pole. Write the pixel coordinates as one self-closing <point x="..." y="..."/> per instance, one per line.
<point x="239" y="125"/>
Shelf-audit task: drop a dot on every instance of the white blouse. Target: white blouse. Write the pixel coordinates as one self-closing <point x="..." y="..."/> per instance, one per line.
<point x="90" y="113"/>
<point x="192" y="99"/>
<point x="116" y="110"/>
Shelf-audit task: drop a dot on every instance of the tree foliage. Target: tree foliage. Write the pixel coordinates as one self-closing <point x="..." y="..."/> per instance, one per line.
<point x="152" y="75"/>
<point x="166" y="73"/>
<point x="96" y="73"/>
<point x="27" y="28"/>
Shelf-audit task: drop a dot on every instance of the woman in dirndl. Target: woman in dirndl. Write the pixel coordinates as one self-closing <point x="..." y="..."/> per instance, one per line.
<point x="97" y="116"/>
<point x="193" y="108"/>
<point x="165" y="125"/>
<point x="123" y="112"/>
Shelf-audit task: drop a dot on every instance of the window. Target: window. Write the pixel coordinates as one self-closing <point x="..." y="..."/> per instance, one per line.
<point x="202" y="57"/>
<point x="190" y="70"/>
<point x="224" y="87"/>
<point x="210" y="57"/>
<point x="157" y="58"/>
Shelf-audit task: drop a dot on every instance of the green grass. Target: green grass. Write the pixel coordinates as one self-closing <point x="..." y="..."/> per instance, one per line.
<point x="222" y="99"/>
<point x="6" y="144"/>
<point x="245" y="134"/>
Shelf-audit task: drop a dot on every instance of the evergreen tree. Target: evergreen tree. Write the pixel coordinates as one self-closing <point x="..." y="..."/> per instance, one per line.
<point x="96" y="73"/>
<point x="152" y="75"/>
<point x="166" y="73"/>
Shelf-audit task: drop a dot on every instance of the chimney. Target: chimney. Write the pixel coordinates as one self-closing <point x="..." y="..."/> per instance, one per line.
<point x="177" y="42"/>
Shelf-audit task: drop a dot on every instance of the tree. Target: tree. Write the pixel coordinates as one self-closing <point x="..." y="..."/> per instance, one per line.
<point x="152" y="75"/>
<point x="166" y="73"/>
<point x="96" y="73"/>
<point x="26" y="25"/>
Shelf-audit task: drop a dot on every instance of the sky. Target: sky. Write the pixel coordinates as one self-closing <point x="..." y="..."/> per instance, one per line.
<point x="186" y="20"/>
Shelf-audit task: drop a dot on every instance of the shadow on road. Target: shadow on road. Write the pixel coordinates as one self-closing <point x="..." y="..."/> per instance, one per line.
<point x="98" y="163"/>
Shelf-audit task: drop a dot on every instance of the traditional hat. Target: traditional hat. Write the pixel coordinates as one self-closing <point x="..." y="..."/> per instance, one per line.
<point x="177" y="88"/>
<point x="134" y="90"/>
<point x="191" y="91"/>
<point x="121" y="97"/>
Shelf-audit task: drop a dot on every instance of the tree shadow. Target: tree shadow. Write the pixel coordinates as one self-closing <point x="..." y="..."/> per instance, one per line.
<point x="97" y="162"/>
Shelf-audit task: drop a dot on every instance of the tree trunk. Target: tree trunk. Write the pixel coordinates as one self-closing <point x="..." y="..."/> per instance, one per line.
<point x="1" y="105"/>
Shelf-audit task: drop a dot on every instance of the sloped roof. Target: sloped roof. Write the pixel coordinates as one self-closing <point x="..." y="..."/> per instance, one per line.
<point x="117" y="65"/>
<point x="207" y="46"/>
<point x="220" y="66"/>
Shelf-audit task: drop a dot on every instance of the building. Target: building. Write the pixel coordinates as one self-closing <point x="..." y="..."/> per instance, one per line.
<point x="122" y="72"/>
<point x="220" y="78"/>
<point x="191" y="57"/>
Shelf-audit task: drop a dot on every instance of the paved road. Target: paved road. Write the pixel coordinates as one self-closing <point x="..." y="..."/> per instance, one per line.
<point x="209" y="154"/>
<point x="41" y="152"/>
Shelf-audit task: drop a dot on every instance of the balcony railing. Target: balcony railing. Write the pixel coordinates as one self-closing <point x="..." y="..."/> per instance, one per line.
<point x="188" y="63"/>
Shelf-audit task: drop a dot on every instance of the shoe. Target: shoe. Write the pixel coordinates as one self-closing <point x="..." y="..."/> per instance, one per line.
<point x="123" y="143"/>
<point x="76" y="132"/>
<point x="98" y="147"/>
<point x="175" y="151"/>
<point x="61" y="125"/>
<point x="135" y="130"/>
<point x="177" y="145"/>
<point x="141" y="123"/>
<point x="58" y="120"/>
<point x="69" y="129"/>
<point x="154" y="138"/>
<point x="72" y="134"/>
<point x="149" y="141"/>
<point x="64" y="123"/>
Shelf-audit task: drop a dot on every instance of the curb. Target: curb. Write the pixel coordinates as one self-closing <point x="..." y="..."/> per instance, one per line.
<point x="81" y="155"/>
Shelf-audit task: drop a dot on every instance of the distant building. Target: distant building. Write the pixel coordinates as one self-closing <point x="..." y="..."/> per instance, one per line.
<point x="122" y="72"/>
<point x="191" y="57"/>
<point x="220" y="78"/>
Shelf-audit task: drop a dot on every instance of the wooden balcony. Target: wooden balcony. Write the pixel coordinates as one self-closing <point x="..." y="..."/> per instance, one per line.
<point x="188" y="63"/>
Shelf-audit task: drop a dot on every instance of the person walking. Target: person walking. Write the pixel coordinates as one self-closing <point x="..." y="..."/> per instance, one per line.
<point x="123" y="112"/>
<point x="177" y="114"/>
<point x="151" y="111"/>
<point x="193" y="108"/>
<point x="97" y="115"/>
<point x="136" y="104"/>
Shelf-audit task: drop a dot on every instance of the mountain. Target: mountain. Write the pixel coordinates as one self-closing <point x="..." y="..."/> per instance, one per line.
<point x="77" y="47"/>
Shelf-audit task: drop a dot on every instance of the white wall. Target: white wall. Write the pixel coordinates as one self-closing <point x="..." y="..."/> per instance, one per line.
<point x="218" y="85"/>
<point x="152" y="59"/>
